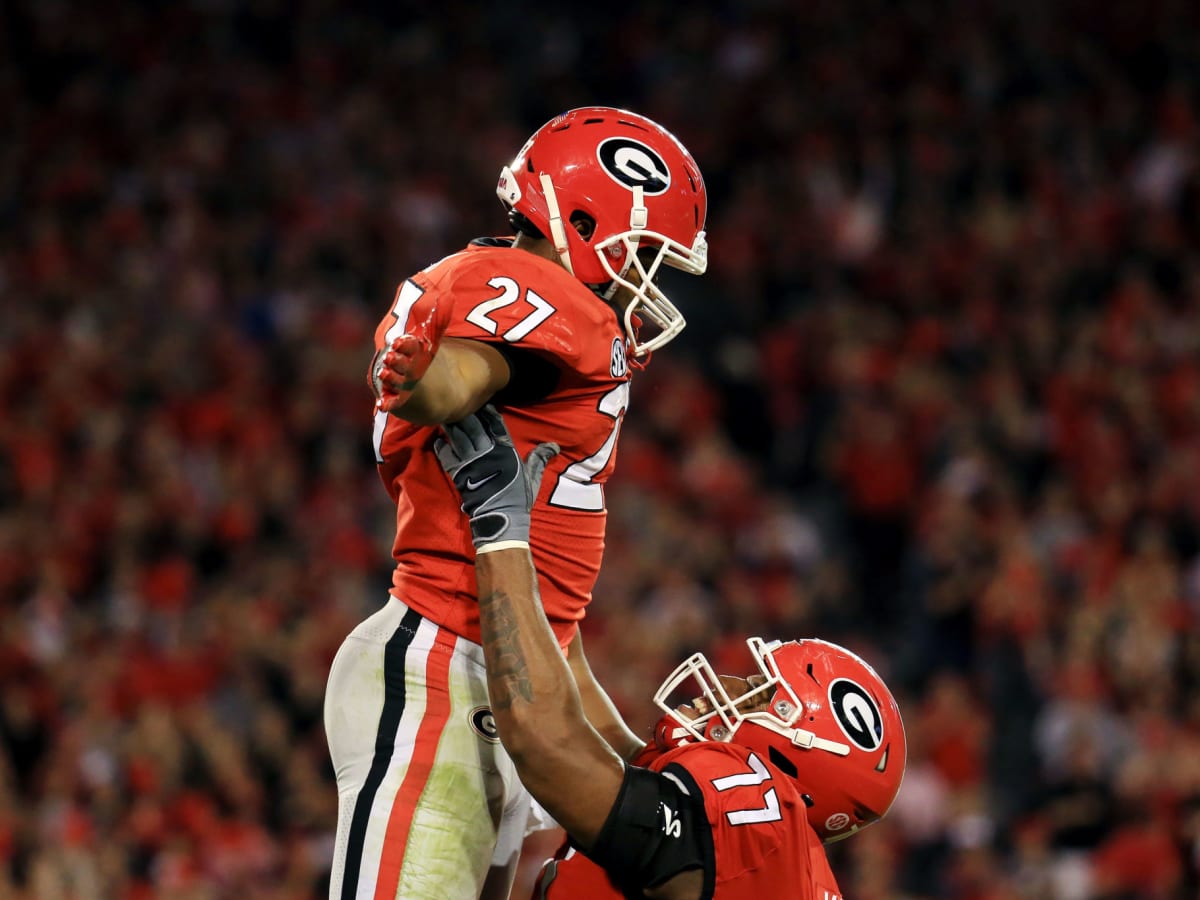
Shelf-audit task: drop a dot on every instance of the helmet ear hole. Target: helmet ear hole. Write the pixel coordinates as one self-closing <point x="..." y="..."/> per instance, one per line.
<point x="584" y="224"/>
<point x="782" y="763"/>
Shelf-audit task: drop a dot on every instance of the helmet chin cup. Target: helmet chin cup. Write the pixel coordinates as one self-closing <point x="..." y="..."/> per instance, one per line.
<point x="647" y="299"/>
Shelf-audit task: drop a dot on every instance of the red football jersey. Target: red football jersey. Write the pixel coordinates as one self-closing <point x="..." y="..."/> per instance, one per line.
<point x="762" y="842"/>
<point x="512" y="297"/>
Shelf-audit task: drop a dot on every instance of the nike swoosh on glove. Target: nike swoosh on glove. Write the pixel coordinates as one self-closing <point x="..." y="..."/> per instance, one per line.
<point x="496" y="487"/>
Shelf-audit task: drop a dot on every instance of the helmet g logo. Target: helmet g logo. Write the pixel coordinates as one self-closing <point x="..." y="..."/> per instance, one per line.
<point x="633" y="164"/>
<point x="856" y="714"/>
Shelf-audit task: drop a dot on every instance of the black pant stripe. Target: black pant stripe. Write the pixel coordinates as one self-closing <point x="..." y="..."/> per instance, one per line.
<point x="394" y="655"/>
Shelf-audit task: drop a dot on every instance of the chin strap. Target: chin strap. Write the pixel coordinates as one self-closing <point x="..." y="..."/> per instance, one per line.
<point x="806" y="740"/>
<point x="639" y="216"/>
<point x="558" y="234"/>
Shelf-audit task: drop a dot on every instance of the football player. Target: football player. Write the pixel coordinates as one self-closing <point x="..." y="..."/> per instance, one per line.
<point x="548" y="326"/>
<point x="742" y="785"/>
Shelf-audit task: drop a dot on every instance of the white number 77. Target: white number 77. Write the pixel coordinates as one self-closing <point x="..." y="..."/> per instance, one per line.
<point x="758" y="774"/>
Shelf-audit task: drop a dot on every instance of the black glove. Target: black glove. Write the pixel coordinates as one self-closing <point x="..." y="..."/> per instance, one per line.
<point x="497" y="490"/>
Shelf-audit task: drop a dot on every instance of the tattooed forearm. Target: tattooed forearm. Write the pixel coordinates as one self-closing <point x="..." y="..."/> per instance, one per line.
<point x="509" y="679"/>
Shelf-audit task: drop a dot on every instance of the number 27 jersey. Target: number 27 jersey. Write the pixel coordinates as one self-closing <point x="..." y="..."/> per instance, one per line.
<point x="515" y="299"/>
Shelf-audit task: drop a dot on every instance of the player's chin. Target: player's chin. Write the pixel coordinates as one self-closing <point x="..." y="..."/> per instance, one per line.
<point x="693" y="710"/>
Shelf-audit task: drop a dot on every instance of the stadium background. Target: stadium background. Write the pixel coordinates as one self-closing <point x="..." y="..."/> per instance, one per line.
<point x="939" y="399"/>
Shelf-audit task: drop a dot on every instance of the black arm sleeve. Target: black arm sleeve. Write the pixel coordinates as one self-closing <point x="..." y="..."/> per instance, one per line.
<point x="657" y="828"/>
<point x="531" y="377"/>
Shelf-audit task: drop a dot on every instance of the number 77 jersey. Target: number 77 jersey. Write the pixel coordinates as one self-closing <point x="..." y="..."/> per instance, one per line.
<point x="569" y="384"/>
<point x="746" y="817"/>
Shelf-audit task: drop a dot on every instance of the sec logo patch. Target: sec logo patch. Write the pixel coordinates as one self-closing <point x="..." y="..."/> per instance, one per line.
<point x="619" y="363"/>
<point x="837" y="821"/>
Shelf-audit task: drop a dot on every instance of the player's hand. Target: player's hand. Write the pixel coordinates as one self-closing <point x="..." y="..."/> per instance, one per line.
<point x="399" y="369"/>
<point x="497" y="489"/>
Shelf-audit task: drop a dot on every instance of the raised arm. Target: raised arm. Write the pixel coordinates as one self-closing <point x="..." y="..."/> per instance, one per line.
<point x="612" y="811"/>
<point x="564" y="763"/>
<point x="561" y="759"/>
<point x="598" y="706"/>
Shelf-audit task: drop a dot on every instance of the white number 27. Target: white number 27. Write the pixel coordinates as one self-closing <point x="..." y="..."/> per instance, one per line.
<point x="575" y="488"/>
<point x="509" y="292"/>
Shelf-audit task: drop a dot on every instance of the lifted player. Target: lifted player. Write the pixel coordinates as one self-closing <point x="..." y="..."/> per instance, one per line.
<point x="547" y="326"/>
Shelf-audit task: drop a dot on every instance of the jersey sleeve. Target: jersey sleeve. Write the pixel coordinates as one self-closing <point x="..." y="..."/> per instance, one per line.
<point x="415" y="310"/>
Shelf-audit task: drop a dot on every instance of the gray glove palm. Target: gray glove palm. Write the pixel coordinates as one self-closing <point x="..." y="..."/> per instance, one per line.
<point x="497" y="489"/>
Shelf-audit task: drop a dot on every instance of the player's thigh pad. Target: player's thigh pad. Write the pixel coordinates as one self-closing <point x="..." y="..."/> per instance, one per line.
<point x="425" y="789"/>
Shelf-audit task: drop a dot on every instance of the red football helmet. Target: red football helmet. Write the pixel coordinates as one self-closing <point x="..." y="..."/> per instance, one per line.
<point x="637" y="184"/>
<point x="830" y="723"/>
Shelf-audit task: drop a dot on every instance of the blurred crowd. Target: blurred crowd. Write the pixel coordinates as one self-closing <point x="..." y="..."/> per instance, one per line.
<point x="938" y="400"/>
